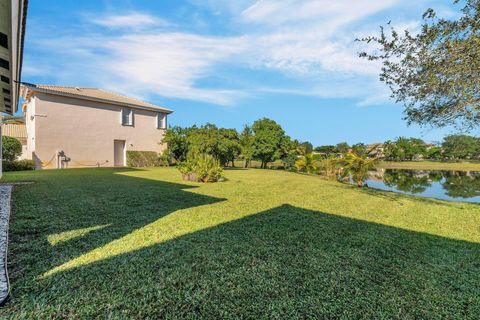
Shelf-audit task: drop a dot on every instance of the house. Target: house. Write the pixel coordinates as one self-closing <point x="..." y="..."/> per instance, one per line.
<point x="376" y="150"/>
<point x="13" y="17"/>
<point x="15" y="128"/>
<point x="88" y="127"/>
<point x="12" y="33"/>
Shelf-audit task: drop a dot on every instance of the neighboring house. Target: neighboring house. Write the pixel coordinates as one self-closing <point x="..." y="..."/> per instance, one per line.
<point x="88" y="127"/>
<point x="376" y="150"/>
<point x="16" y="128"/>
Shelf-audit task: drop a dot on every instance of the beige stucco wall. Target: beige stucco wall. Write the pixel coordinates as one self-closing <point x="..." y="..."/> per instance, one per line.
<point x="85" y="131"/>
<point x="30" y="126"/>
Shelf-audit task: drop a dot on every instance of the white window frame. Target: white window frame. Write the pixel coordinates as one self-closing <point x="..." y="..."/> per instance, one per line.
<point x="161" y="120"/>
<point x="130" y="117"/>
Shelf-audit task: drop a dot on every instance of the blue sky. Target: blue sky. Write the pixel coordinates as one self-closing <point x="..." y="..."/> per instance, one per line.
<point x="231" y="62"/>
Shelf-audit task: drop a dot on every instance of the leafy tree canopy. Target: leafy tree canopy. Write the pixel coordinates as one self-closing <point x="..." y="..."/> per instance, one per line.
<point x="326" y="149"/>
<point x="342" y="147"/>
<point x="434" y="73"/>
<point x="360" y="149"/>
<point x="460" y="146"/>
<point x="177" y="144"/>
<point x="404" y="149"/>
<point x="11" y="148"/>
<point x="269" y="137"/>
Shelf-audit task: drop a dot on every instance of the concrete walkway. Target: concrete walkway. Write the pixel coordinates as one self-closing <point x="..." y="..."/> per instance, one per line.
<point x="5" y="195"/>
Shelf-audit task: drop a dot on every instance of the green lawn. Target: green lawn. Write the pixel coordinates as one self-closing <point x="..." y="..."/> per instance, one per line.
<point x="108" y="243"/>
<point x="433" y="165"/>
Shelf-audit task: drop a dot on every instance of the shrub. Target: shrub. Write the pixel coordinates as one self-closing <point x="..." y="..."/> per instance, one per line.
<point x="11" y="148"/>
<point x="166" y="158"/>
<point x="329" y="167"/>
<point x="289" y="162"/>
<point x="143" y="159"/>
<point x="306" y="164"/>
<point x="18" y="165"/>
<point x="207" y="169"/>
<point x="202" y="168"/>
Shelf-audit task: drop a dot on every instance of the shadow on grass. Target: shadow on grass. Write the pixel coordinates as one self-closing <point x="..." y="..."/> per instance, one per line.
<point x="287" y="262"/>
<point x="86" y="211"/>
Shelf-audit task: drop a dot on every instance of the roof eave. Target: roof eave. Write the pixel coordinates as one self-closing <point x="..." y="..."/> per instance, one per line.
<point x="28" y="89"/>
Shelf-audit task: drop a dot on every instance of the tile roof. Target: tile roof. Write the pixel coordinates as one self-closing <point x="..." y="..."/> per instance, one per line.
<point x="93" y="94"/>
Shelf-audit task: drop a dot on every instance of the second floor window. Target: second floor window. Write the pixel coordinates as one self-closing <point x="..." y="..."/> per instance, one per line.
<point x="127" y="117"/>
<point x="161" y="120"/>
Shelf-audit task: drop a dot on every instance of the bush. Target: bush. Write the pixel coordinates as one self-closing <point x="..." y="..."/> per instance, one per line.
<point x="18" y="165"/>
<point x="11" y="148"/>
<point x="143" y="159"/>
<point x="203" y="168"/>
<point x="208" y="169"/>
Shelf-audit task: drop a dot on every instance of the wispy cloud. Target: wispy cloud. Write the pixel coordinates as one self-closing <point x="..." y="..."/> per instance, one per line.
<point x="130" y="20"/>
<point x="310" y="43"/>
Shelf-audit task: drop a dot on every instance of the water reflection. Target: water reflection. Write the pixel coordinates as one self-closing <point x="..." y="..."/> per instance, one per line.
<point x="447" y="185"/>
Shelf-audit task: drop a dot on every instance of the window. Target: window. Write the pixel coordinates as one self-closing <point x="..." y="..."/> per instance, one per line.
<point x="127" y="117"/>
<point x="161" y="120"/>
<point x="3" y="40"/>
<point x="5" y="79"/>
<point x="4" y="64"/>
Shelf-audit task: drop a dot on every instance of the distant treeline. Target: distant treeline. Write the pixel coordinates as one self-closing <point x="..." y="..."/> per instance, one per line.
<point x="265" y="141"/>
<point x="453" y="147"/>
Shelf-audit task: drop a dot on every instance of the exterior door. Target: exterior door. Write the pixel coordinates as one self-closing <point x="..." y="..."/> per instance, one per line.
<point x="119" y="153"/>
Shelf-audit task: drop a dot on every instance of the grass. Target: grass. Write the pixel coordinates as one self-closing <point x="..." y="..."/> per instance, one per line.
<point x="433" y="165"/>
<point x="106" y="243"/>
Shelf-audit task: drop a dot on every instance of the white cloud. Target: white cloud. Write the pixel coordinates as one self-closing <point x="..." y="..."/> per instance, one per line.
<point x="326" y="12"/>
<point x="131" y="20"/>
<point x="310" y="42"/>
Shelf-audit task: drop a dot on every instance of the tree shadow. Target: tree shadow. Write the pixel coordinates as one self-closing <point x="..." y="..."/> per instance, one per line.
<point x="286" y="262"/>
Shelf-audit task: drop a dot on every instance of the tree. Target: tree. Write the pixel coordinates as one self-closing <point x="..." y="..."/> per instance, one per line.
<point x="342" y="148"/>
<point x="246" y="143"/>
<point x="306" y="164"/>
<point x="290" y="150"/>
<point x="11" y="148"/>
<point x="177" y="144"/>
<point x="229" y="146"/>
<point x="358" y="167"/>
<point x="326" y="150"/>
<point x="460" y="146"/>
<point x="330" y="166"/>
<point x="405" y="149"/>
<point x="305" y="148"/>
<point x="268" y="140"/>
<point x="222" y="144"/>
<point x="434" y="153"/>
<point x="360" y="149"/>
<point x="434" y="73"/>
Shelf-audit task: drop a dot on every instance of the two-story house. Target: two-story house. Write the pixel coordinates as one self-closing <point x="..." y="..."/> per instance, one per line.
<point x="88" y="127"/>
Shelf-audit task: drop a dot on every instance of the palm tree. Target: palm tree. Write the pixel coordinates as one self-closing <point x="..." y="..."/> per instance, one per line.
<point x="306" y="164"/>
<point x="358" y="167"/>
<point x="330" y="166"/>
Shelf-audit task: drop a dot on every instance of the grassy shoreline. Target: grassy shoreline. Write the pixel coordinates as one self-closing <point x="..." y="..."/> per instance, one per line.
<point x="431" y="165"/>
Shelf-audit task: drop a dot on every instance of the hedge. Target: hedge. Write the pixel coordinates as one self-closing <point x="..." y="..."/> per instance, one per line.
<point x="143" y="159"/>
<point x="18" y="165"/>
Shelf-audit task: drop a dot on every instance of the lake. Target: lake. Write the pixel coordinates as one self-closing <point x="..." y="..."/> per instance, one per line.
<point x="445" y="185"/>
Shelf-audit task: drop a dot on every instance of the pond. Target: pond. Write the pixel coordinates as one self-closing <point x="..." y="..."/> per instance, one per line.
<point x="445" y="185"/>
